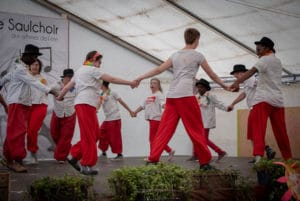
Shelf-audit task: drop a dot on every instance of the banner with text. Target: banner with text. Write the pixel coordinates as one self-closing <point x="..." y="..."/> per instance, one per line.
<point x="49" y="34"/>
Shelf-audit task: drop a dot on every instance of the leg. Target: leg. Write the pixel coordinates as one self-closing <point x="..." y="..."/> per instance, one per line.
<point x="192" y="120"/>
<point x="63" y="146"/>
<point x="37" y="116"/>
<point x="153" y="125"/>
<point x="55" y="128"/>
<point x="165" y="130"/>
<point x="212" y="145"/>
<point x="280" y="133"/>
<point x="103" y="137"/>
<point x="258" y="124"/>
<point x="89" y="128"/>
<point x="115" y="136"/>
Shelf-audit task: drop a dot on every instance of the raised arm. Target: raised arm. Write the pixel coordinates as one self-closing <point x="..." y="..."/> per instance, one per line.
<point x="65" y="90"/>
<point x="245" y="76"/>
<point x="159" y="69"/>
<point x="206" y="67"/>
<point x="117" y="80"/>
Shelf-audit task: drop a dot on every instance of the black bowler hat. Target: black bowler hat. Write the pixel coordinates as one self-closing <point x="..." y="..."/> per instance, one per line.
<point x="267" y="42"/>
<point x="203" y="82"/>
<point x="238" y="68"/>
<point x="32" y="49"/>
<point x="68" y="73"/>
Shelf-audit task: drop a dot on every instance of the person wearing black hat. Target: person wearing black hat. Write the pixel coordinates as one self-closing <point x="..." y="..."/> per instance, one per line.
<point x="63" y="120"/>
<point x="32" y="50"/>
<point x="208" y="103"/>
<point x="267" y="101"/>
<point x="249" y="87"/>
<point x="19" y="103"/>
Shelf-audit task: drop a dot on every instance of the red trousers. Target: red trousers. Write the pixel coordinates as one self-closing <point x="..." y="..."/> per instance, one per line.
<point x="110" y="135"/>
<point x="212" y="145"/>
<point x="186" y="108"/>
<point x="62" y="131"/>
<point x="153" y="127"/>
<point x="17" y="122"/>
<point x="86" y="150"/>
<point x="249" y="127"/>
<point x="38" y="113"/>
<point x="261" y="113"/>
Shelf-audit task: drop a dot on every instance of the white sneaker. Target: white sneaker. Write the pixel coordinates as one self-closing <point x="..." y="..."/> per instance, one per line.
<point x="171" y="155"/>
<point x="257" y="159"/>
<point x="33" y="159"/>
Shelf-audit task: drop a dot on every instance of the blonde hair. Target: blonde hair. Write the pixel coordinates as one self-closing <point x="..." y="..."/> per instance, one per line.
<point x="158" y="80"/>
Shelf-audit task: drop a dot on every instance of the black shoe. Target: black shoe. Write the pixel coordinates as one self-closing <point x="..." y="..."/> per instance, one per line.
<point x="252" y="161"/>
<point x="86" y="170"/>
<point x="104" y="154"/>
<point x="74" y="163"/>
<point x="206" y="167"/>
<point x="270" y="153"/>
<point x="119" y="157"/>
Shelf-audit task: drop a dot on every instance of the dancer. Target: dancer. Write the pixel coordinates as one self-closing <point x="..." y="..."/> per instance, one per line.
<point x="249" y="87"/>
<point x="181" y="102"/>
<point x="63" y="120"/>
<point x="268" y="100"/>
<point x="87" y="80"/>
<point x="110" y="129"/>
<point x="38" y="111"/>
<point x="19" y="102"/>
<point x="153" y="106"/>
<point x="208" y="103"/>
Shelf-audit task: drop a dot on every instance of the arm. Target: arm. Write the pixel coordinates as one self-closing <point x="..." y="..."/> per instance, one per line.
<point x="206" y="67"/>
<point x="247" y="75"/>
<point x="65" y="90"/>
<point x="241" y="97"/>
<point x="5" y="79"/>
<point x="2" y="101"/>
<point x="132" y="114"/>
<point x="140" y="108"/>
<point x="116" y="80"/>
<point x="159" y="69"/>
<point x="218" y="104"/>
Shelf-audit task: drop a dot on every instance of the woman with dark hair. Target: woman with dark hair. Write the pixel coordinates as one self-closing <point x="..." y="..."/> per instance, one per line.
<point x="88" y="81"/>
<point x="38" y="111"/>
<point x="19" y="103"/>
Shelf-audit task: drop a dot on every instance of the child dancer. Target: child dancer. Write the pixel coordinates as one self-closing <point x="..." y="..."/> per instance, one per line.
<point x="181" y="102"/>
<point x="208" y="103"/>
<point x="110" y="129"/>
<point x="87" y="80"/>
<point x="153" y="111"/>
<point x="63" y="119"/>
<point x="38" y="111"/>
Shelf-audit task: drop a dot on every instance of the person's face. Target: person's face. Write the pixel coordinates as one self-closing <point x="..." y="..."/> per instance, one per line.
<point x="261" y="50"/>
<point x="154" y="85"/>
<point x="66" y="80"/>
<point x="201" y="89"/>
<point x="34" y="68"/>
<point x="97" y="63"/>
<point x="238" y="74"/>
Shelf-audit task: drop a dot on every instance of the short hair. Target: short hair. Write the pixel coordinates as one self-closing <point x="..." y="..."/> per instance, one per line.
<point x="90" y="56"/>
<point x="105" y="83"/>
<point x="190" y="35"/>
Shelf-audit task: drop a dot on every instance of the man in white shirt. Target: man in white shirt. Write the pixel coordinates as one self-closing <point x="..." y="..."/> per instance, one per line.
<point x="248" y="93"/>
<point x="268" y="100"/>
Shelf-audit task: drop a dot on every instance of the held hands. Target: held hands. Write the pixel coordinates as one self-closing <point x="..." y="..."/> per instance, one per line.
<point x="235" y="87"/>
<point x="132" y="114"/>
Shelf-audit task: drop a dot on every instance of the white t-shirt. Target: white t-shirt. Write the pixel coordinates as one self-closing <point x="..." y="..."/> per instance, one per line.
<point x="153" y="106"/>
<point x="37" y="96"/>
<point x="110" y="106"/>
<point x="249" y="89"/>
<point x="64" y="108"/>
<point x="185" y="66"/>
<point x="269" y="81"/>
<point x="208" y="104"/>
<point x="87" y="85"/>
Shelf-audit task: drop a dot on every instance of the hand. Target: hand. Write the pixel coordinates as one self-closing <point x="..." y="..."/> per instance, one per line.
<point x="54" y="93"/>
<point x="235" y="87"/>
<point x="132" y="114"/>
<point x="134" y="84"/>
<point x="59" y="97"/>
<point x="229" y="108"/>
